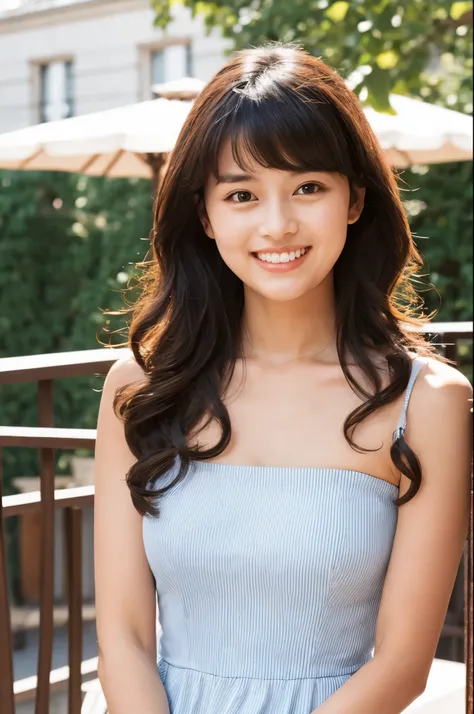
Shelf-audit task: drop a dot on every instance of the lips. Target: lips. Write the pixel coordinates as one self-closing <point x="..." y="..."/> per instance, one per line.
<point x="281" y="256"/>
<point x="281" y="262"/>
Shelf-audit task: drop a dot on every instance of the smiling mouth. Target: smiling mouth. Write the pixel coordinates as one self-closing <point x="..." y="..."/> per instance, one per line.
<point x="285" y="257"/>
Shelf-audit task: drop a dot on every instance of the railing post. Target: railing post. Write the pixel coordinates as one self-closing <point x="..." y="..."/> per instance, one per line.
<point x="74" y="595"/>
<point x="47" y="473"/>
<point x="451" y="351"/>
<point x="468" y="609"/>
<point x="7" y="705"/>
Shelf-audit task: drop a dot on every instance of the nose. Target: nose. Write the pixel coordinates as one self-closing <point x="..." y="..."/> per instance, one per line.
<point x="278" y="221"/>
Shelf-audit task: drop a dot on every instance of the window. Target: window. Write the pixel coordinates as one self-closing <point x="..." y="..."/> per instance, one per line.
<point x="56" y="91"/>
<point x="171" y="62"/>
<point x="157" y="67"/>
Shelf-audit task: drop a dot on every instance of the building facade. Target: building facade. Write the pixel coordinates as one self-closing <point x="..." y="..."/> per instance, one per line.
<point x="61" y="58"/>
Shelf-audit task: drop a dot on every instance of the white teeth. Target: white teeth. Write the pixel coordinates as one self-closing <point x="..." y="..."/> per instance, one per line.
<point x="281" y="257"/>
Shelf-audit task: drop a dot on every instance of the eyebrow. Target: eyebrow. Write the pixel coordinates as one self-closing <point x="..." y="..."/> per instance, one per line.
<point x="239" y="178"/>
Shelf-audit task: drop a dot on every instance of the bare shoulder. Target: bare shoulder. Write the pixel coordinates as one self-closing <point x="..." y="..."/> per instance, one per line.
<point x="439" y="422"/>
<point x="124" y="371"/>
<point x="441" y="383"/>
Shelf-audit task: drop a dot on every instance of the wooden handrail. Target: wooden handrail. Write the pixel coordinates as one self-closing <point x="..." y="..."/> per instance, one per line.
<point x="59" y="365"/>
<point x="35" y="437"/>
<point x="464" y="329"/>
<point x="77" y="497"/>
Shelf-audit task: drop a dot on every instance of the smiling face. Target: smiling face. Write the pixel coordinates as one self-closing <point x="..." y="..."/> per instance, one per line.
<point x="280" y="232"/>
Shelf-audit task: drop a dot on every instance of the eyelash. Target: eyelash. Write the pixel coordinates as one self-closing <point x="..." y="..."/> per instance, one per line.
<point x="308" y="183"/>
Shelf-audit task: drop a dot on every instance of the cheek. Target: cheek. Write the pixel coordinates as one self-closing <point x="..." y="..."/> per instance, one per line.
<point x="232" y="232"/>
<point x="233" y="251"/>
<point x="233" y="240"/>
<point x="332" y="213"/>
<point x="331" y="224"/>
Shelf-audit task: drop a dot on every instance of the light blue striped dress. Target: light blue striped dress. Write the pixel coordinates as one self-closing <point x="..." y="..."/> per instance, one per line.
<point x="269" y="581"/>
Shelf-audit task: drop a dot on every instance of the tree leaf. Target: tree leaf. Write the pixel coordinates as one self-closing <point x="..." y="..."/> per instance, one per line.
<point x="459" y="8"/>
<point x="388" y="59"/>
<point x="337" y="11"/>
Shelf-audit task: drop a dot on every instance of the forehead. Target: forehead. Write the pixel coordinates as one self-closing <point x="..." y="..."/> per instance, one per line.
<point x="228" y="164"/>
<point x="226" y="160"/>
<point x="288" y="136"/>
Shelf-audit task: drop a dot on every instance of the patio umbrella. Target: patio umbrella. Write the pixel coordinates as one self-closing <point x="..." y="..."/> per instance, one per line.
<point x="184" y="88"/>
<point x="422" y="133"/>
<point x="133" y="140"/>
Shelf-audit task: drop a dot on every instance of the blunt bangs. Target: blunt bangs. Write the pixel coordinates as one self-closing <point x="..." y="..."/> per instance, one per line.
<point x="289" y="132"/>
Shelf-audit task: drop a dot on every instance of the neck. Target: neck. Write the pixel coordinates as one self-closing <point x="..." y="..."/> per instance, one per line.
<point x="290" y="331"/>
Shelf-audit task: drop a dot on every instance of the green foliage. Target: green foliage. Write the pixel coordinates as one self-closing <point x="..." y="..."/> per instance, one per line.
<point x="393" y="43"/>
<point x="68" y="246"/>
<point x="440" y="213"/>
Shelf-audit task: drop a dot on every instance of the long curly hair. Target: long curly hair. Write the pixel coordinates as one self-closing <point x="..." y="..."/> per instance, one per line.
<point x="287" y="110"/>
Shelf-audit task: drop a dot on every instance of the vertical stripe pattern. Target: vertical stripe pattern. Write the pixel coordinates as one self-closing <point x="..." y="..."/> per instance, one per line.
<point x="269" y="582"/>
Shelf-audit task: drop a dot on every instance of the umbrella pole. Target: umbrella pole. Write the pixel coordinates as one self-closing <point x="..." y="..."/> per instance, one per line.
<point x="155" y="162"/>
<point x="155" y="180"/>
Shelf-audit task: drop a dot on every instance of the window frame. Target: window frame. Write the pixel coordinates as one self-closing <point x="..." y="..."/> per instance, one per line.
<point x="37" y="68"/>
<point x="146" y="52"/>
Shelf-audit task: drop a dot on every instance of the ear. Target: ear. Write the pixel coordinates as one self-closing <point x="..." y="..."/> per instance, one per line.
<point x="357" y="206"/>
<point x="203" y="217"/>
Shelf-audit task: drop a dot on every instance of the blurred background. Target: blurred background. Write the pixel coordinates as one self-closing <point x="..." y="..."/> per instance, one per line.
<point x="75" y="218"/>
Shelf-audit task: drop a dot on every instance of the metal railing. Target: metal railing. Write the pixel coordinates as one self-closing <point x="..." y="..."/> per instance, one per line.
<point x="44" y="369"/>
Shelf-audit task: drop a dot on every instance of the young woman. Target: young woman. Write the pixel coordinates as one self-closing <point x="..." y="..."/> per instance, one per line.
<point x="284" y="460"/>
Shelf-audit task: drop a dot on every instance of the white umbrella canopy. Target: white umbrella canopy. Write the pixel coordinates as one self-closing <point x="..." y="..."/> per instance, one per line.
<point x="421" y="133"/>
<point x="119" y="142"/>
<point x="133" y="140"/>
<point x="184" y="88"/>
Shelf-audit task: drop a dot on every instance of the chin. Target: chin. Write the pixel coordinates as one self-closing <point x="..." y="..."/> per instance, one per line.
<point x="281" y="293"/>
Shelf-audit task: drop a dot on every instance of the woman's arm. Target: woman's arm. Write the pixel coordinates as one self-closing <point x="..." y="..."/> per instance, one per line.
<point x="428" y="546"/>
<point x="125" y="594"/>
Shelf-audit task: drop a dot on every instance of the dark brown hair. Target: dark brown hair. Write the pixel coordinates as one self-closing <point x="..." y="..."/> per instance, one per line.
<point x="287" y="110"/>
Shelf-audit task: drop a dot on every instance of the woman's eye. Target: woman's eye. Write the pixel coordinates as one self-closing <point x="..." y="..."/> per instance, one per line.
<point x="309" y="186"/>
<point x="240" y="194"/>
<point x="309" y="189"/>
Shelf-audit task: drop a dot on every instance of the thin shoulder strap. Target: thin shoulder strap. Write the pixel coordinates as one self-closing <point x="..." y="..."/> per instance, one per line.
<point x="417" y="364"/>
